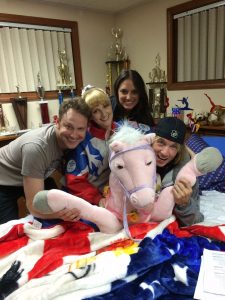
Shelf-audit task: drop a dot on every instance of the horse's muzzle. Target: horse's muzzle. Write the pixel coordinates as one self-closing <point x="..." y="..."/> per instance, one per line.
<point x="143" y="197"/>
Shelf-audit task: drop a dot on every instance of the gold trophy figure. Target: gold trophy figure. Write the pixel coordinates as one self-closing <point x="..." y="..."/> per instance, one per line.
<point x="63" y="68"/>
<point x="118" y="48"/>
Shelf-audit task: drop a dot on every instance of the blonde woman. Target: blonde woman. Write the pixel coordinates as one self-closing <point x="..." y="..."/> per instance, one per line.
<point x="86" y="168"/>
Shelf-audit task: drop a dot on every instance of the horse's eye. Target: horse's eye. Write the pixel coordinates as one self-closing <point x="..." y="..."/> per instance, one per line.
<point x="149" y="163"/>
<point x="119" y="167"/>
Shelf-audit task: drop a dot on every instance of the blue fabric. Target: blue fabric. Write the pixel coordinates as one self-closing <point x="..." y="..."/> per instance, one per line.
<point x="151" y="271"/>
<point x="216" y="141"/>
<point x="46" y="223"/>
<point x="213" y="180"/>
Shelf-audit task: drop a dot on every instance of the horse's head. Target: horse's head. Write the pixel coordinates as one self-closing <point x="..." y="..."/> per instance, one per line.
<point x="133" y="163"/>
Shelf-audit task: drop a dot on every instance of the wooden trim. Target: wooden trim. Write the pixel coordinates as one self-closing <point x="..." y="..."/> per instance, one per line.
<point x="32" y="96"/>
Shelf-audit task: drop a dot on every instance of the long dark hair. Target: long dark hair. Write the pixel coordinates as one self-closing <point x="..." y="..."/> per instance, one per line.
<point x="141" y="112"/>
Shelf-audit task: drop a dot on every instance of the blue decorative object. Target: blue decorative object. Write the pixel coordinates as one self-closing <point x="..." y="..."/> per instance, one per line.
<point x="177" y="113"/>
<point x="184" y="101"/>
<point x="60" y="97"/>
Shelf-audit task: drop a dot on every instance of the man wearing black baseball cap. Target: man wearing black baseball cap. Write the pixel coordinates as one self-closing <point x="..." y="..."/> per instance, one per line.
<point x="171" y="156"/>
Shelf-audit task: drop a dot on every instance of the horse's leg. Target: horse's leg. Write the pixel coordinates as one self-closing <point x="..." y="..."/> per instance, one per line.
<point x="208" y="160"/>
<point x="163" y="206"/>
<point x="56" y="200"/>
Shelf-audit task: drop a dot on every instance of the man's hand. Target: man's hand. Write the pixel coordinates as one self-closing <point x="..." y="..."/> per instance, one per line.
<point x="66" y="214"/>
<point x="31" y="187"/>
<point x="182" y="191"/>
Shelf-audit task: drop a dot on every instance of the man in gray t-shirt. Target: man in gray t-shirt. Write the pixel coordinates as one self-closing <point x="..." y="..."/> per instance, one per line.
<point x="27" y="162"/>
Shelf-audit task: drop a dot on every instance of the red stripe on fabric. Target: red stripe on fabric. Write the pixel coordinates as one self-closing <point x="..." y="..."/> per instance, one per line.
<point x="74" y="241"/>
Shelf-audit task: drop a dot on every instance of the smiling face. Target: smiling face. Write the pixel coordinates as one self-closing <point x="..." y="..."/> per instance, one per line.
<point x="71" y="129"/>
<point x="102" y="115"/>
<point x="165" y="151"/>
<point x="128" y="95"/>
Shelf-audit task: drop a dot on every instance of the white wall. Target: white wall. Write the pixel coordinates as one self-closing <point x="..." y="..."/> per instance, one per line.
<point x="145" y="35"/>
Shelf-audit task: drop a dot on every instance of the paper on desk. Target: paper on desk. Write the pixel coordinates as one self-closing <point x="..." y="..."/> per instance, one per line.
<point x="211" y="280"/>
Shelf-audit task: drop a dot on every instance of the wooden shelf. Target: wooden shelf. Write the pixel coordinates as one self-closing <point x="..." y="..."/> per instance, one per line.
<point x="211" y="130"/>
<point x="6" y="139"/>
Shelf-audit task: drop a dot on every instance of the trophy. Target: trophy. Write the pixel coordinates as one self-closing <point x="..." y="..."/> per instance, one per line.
<point x="63" y="68"/>
<point x="40" y="88"/>
<point x="157" y="90"/>
<point x="66" y="79"/>
<point x="20" y="107"/>
<point x="43" y="104"/>
<point x="117" y="48"/>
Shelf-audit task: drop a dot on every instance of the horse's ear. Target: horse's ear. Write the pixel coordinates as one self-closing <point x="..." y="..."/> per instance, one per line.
<point x="149" y="138"/>
<point x="116" y="146"/>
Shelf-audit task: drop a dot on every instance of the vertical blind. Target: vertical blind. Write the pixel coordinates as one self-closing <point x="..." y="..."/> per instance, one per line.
<point x="24" y="52"/>
<point x="201" y="44"/>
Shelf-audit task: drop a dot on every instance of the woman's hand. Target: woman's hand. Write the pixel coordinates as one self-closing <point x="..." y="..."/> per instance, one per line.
<point x="182" y="191"/>
<point x="71" y="215"/>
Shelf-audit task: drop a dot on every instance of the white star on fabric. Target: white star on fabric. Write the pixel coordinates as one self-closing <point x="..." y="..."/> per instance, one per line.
<point x="180" y="273"/>
<point x="145" y="286"/>
<point x="93" y="158"/>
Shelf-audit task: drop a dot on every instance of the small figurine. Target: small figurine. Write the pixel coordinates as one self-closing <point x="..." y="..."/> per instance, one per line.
<point x="185" y="103"/>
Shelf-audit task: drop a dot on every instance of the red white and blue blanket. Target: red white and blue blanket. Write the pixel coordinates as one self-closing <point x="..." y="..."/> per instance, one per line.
<point x="72" y="261"/>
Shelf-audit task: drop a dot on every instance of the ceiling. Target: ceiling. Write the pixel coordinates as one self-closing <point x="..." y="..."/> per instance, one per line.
<point x="106" y="6"/>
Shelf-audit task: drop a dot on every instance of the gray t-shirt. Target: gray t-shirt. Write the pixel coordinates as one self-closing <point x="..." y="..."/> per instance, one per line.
<point x="35" y="154"/>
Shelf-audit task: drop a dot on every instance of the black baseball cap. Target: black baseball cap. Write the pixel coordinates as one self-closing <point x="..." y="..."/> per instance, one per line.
<point x="172" y="129"/>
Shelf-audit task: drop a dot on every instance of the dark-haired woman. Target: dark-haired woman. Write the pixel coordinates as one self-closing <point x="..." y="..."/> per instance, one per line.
<point x="130" y="99"/>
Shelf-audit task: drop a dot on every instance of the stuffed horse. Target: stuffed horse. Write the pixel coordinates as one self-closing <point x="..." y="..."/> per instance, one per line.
<point x="132" y="182"/>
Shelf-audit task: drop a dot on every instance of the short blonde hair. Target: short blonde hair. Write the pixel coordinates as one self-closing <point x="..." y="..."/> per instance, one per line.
<point x="95" y="96"/>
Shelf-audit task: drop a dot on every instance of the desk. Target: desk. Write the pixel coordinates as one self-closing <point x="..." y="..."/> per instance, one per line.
<point x="5" y="139"/>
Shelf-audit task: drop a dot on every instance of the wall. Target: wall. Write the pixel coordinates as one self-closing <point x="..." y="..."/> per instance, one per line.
<point x="145" y="35"/>
<point x="95" y="38"/>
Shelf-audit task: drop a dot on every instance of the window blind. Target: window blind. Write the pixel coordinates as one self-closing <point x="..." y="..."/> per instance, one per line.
<point x="24" y="52"/>
<point x="201" y="44"/>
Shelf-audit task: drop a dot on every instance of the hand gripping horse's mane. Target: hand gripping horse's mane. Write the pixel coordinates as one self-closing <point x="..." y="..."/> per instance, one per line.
<point x="126" y="134"/>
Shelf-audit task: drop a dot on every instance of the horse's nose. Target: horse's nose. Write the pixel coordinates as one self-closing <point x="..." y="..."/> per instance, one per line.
<point x="142" y="198"/>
